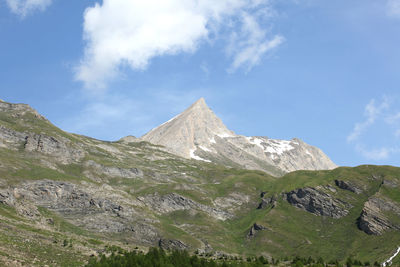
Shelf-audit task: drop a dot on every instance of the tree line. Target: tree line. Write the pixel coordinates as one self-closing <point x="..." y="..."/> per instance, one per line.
<point x="157" y="257"/>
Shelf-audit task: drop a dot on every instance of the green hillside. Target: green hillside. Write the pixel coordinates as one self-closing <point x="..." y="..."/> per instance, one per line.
<point x="65" y="197"/>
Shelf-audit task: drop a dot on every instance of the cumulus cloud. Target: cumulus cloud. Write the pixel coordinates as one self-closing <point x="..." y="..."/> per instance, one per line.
<point x="129" y="33"/>
<point x="26" y="7"/>
<point x="393" y="8"/>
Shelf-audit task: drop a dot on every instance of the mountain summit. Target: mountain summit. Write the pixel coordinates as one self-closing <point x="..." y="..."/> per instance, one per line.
<point x="199" y="134"/>
<point x="196" y="127"/>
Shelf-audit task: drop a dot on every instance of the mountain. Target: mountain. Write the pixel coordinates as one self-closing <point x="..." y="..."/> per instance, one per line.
<point x="65" y="198"/>
<point x="199" y="134"/>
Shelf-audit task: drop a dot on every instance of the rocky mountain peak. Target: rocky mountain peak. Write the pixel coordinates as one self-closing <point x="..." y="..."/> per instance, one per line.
<point x="200" y="104"/>
<point x="197" y="125"/>
<point x="199" y="134"/>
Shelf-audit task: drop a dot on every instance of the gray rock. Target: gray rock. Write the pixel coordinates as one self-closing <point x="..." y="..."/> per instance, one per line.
<point x="390" y="183"/>
<point x="267" y="202"/>
<point x="174" y="202"/>
<point x="346" y="185"/>
<point x="318" y="202"/>
<point x="197" y="133"/>
<point x="130" y="173"/>
<point x="7" y="198"/>
<point x="129" y="139"/>
<point x="60" y="148"/>
<point x="232" y="202"/>
<point x="80" y="207"/>
<point x="18" y="110"/>
<point x="373" y="220"/>
<point x="171" y="244"/>
<point x="11" y="139"/>
<point x="254" y="229"/>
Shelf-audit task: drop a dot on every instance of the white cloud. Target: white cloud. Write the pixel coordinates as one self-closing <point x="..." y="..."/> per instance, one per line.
<point x="249" y="45"/>
<point x="393" y="119"/>
<point x="393" y="8"/>
<point x="375" y="154"/>
<point x="384" y="118"/>
<point x="372" y="112"/>
<point x="129" y="33"/>
<point x="26" y="7"/>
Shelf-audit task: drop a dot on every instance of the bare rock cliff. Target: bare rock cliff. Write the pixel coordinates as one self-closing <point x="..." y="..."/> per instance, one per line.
<point x="199" y="134"/>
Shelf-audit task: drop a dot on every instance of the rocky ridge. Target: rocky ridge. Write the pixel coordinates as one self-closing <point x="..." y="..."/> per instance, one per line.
<point x="199" y="134"/>
<point x="318" y="202"/>
<point x="373" y="220"/>
<point x="57" y="187"/>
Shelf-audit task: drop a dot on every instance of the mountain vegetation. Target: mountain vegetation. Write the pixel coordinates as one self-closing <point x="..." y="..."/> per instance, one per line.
<point x="71" y="200"/>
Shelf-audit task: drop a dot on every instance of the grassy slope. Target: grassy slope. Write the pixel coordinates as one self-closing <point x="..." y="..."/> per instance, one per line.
<point x="292" y="231"/>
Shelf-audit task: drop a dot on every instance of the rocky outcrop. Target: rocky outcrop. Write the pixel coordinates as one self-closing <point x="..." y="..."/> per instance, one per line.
<point x="59" y="147"/>
<point x="346" y="185"/>
<point x="130" y="173"/>
<point x="81" y="207"/>
<point x="197" y="133"/>
<point x="18" y="110"/>
<point x="129" y="139"/>
<point x="172" y="244"/>
<point x="254" y="229"/>
<point x="373" y="220"/>
<point x="65" y="198"/>
<point x="318" y="202"/>
<point x="267" y="202"/>
<point x="390" y="183"/>
<point x="232" y="202"/>
<point x="11" y="139"/>
<point x="174" y="202"/>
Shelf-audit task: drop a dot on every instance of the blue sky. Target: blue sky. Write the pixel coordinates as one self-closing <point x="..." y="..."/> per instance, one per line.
<point x="327" y="72"/>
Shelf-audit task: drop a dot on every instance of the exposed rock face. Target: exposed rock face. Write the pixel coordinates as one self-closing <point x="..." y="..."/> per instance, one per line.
<point x="373" y="220"/>
<point x="171" y="244"/>
<point x="129" y="139"/>
<point x="318" y="202"/>
<point x="199" y="134"/>
<point x="11" y="139"/>
<point x="81" y="207"/>
<point x="254" y="229"/>
<point x="184" y="133"/>
<point x="130" y="173"/>
<point x="266" y="202"/>
<point x="390" y="183"/>
<point x="18" y="110"/>
<point x="232" y="202"/>
<point x="58" y="148"/>
<point x="345" y="185"/>
<point x="174" y="202"/>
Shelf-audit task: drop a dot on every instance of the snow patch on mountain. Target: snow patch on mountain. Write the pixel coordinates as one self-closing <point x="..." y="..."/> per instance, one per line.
<point x="193" y="156"/>
<point x="272" y="146"/>
<point x="198" y="128"/>
<point x="205" y="148"/>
